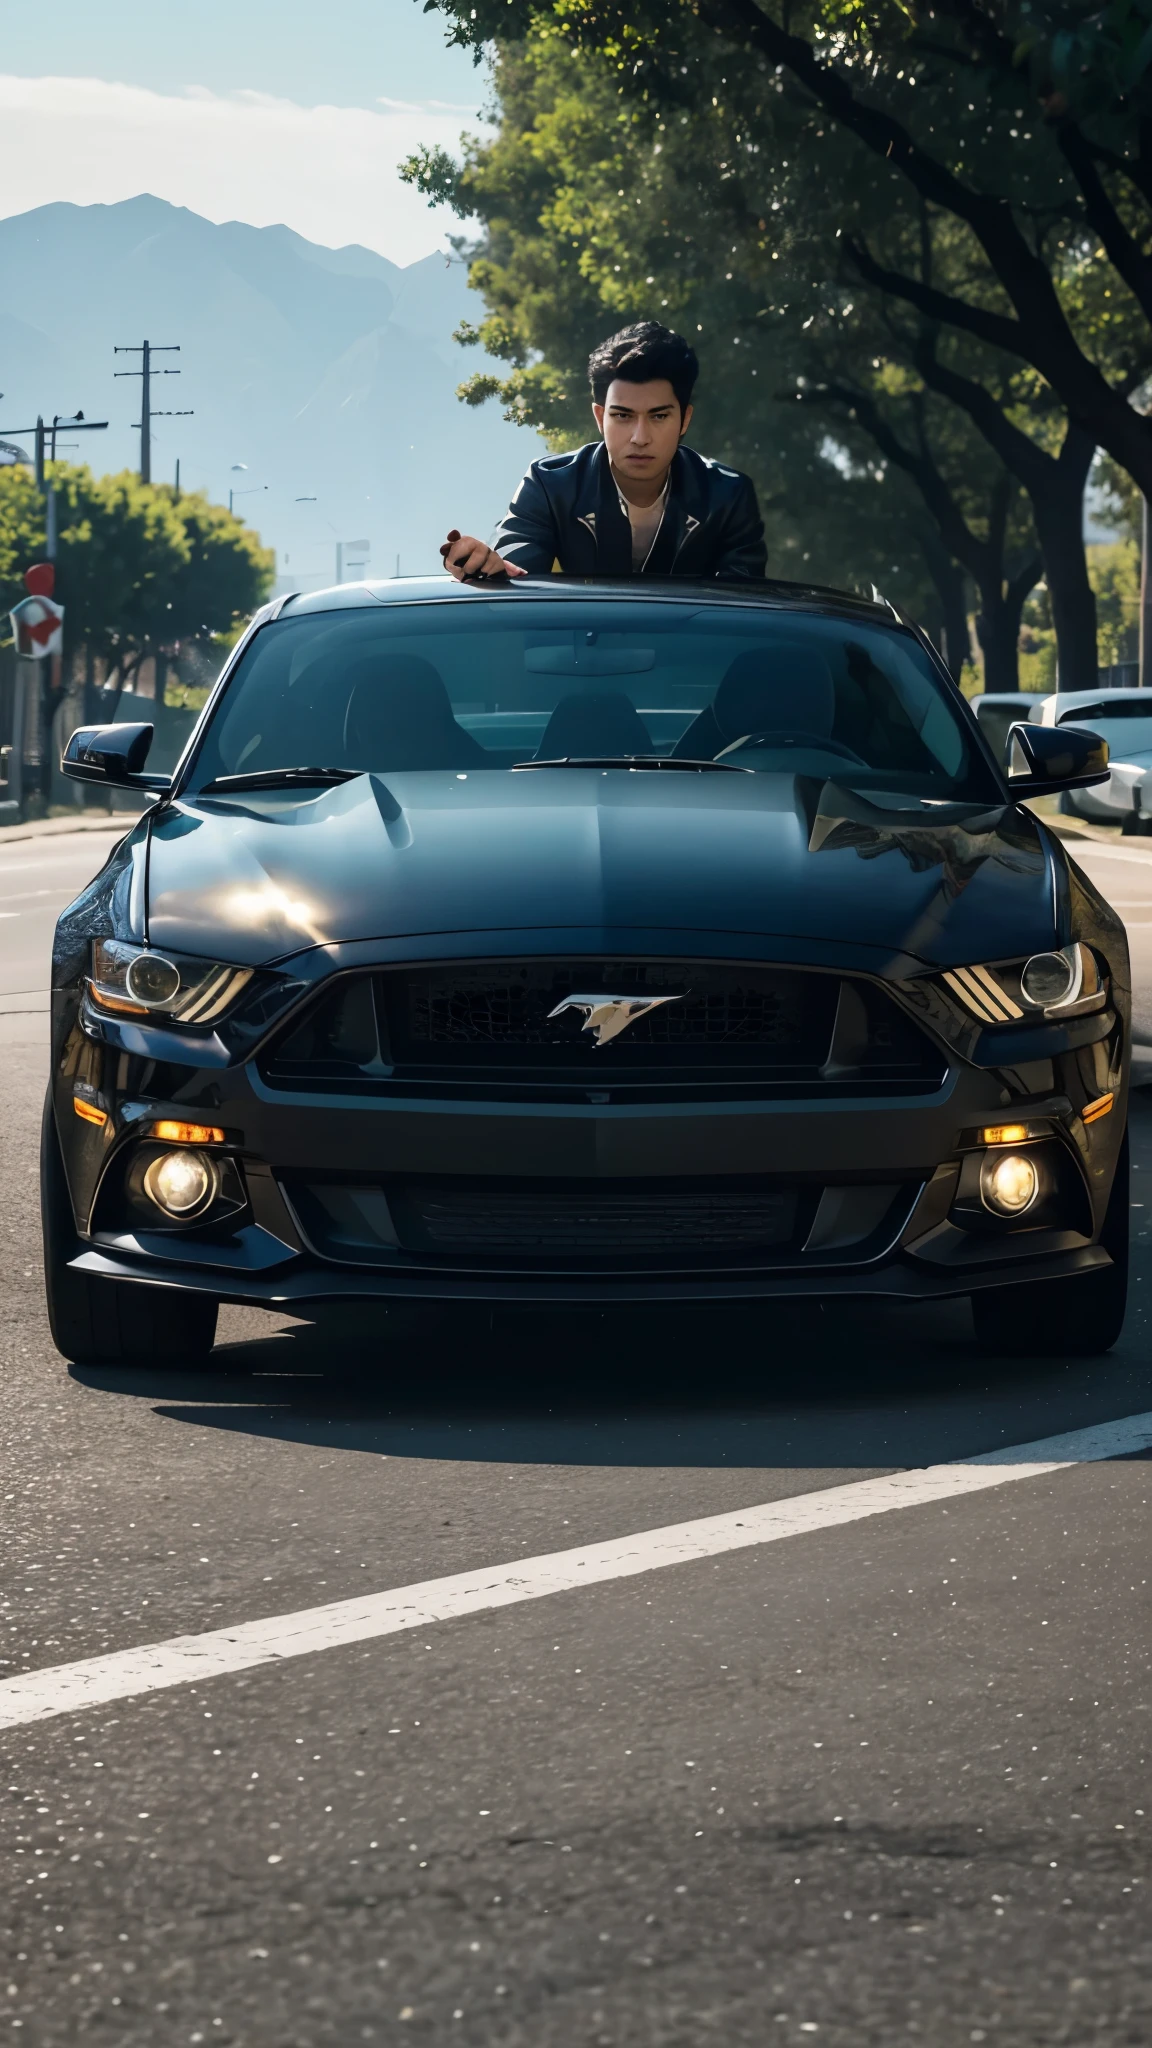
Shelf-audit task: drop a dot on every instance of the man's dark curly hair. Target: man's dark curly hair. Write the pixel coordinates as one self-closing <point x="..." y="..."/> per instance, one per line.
<point x="640" y="354"/>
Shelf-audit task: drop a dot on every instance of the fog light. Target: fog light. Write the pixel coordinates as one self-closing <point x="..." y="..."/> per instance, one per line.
<point x="1009" y="1183"/>
<point x="182" y="1184"/>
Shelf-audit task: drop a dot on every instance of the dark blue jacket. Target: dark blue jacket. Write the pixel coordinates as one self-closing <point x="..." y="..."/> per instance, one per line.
<point x="566" y="513"/>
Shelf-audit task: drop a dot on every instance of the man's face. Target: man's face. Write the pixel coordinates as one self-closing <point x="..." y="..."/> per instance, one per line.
<point x="642" y="426"/>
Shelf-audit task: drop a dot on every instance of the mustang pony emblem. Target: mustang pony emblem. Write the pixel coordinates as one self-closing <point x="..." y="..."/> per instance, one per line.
<point x="608" y="1016"/>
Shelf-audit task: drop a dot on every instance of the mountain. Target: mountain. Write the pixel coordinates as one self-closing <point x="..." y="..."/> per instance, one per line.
<point x="329" y="373"/>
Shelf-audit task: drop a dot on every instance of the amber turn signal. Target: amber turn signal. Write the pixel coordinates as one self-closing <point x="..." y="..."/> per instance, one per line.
<point x="104" y="1001"/>
<point x="1004" y="1134"/>
<point x="173" y="1133"/>
<point x="1093" y="1111"/>
<point x="89" y="1111"/>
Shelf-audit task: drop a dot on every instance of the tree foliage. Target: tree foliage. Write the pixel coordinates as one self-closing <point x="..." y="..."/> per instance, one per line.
<point x="597" y="209"/>
<point x="1000" y="121"/>
<point x="138" y="570"/>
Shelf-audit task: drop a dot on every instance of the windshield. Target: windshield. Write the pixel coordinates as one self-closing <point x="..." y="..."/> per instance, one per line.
<point x="504" y="683"/>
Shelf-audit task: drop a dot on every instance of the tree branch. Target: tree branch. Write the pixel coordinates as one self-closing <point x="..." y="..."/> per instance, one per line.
<point x="1041" y="333"/>
<point x="1122" y="249"/>
<point x="944" y="307"/>
<point x="1016" y="450"/>
<point x="958" y="537"/>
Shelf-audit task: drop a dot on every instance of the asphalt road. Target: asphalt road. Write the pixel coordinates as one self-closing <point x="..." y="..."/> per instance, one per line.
<point x="877" y="1782"/>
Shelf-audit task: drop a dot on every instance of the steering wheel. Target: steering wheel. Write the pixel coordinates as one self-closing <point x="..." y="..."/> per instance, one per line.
<point x="791" y="739"/>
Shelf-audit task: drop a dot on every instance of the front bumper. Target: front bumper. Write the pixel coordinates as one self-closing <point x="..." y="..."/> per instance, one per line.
<point x="307" y="1283"/>
<point x="893" y="1153"/>
<point x="903" y="1148"/>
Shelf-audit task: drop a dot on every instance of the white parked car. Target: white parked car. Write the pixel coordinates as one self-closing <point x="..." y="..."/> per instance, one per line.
<point x="998" y="710"/>
<point x="1124" y="719"/>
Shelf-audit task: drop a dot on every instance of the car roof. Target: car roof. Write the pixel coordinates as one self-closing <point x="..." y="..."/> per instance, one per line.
<point x="772" y="596"/>
<point x="1054" y="708"/>
<point x="1100" y="695"/>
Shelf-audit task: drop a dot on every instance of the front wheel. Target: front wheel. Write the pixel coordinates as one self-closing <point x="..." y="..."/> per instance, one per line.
<point x="110" y="1322"/>
<point x="1064" y="1318"/>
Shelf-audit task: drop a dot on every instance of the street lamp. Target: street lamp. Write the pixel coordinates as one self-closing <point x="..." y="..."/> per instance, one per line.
<point x="340" y="544"/>
<point x="250" y="493"/>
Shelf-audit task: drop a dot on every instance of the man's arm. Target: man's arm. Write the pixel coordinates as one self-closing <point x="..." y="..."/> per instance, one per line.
<point x="526" y="536"/>
<point x="525" y="543"/>
<point x="743" y="551"/>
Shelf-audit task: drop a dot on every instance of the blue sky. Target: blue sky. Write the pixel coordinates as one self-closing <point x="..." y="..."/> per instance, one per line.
<point x="239" y="109"/>
<point x="372" y="47"/>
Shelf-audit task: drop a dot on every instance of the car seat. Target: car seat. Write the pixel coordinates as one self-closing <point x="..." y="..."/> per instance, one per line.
<point x="399" y="716"/>
<point x="594" y="722"/>
<point x="785" y="689"/>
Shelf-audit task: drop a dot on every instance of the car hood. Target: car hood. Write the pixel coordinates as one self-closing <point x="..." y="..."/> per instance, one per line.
<point x="771" y="858"/>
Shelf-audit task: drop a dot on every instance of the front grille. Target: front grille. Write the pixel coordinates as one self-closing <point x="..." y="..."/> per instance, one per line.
<point x="696" y="1023"/>
<point x="520" y="1225"/>
<point x="606" y="1225"/>
<point x="507" y="1008"/>
<point x="595" y="1223"/>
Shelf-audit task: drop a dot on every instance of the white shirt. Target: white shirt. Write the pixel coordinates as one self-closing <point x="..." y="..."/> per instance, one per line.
<point x="645" y="521"/>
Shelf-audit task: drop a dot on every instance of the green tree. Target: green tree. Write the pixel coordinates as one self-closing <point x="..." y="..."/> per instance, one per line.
<point x="953" y="104"/>
<point x="224" y="574"/>
<point x="596" y="211"/>
<point x="137" y="570"/>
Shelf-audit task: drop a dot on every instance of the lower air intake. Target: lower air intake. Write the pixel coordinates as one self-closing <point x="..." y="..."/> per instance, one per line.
<point x="601" y="1225"/>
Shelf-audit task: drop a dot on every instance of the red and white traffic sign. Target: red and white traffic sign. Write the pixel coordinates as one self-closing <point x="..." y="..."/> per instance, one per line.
<point x="38" y="626"/>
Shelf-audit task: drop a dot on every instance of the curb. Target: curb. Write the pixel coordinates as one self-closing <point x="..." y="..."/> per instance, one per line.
<point x="1115" y="841"/>
<point x="1100" y="835"/>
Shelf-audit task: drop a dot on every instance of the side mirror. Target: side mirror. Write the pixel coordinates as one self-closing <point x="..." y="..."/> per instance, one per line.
<point x="112" y="753"/>
<point x="1042" y="759"/>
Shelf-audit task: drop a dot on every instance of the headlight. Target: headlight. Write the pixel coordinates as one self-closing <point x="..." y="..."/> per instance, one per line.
<point x="140" y="981"/>
<point x="1064" y="983"/>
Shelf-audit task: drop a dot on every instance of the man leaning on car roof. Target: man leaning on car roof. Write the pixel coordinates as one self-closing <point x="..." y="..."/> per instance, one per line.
<point x="635" y="503"/>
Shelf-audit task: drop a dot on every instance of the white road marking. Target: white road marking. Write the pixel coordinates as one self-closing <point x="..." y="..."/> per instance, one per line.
<point x="185" y="1660"/>
<point x="55" y="860"/>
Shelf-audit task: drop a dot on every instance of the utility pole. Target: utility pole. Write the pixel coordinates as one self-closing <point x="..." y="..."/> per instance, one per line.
<point x="36" y="698"/>
<point x="45" y="434"/>
<point x="1144" y="672"/>
<point x="146" y="350"/>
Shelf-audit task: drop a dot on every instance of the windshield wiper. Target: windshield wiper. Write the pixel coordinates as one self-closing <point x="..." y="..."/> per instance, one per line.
<point x="277" y="778"/>
<point x="633" y="761"/>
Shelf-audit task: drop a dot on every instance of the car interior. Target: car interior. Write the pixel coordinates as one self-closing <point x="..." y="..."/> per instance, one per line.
<point x="344" y="695"/>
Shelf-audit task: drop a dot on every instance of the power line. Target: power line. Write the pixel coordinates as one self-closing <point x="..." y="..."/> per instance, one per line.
<point x="45" y="433"/>
<point x="146" y="350"/>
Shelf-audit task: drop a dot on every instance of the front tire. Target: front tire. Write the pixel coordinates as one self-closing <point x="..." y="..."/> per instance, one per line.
<point x="1066" y="1318"/>
<point x="110" y="1322"/>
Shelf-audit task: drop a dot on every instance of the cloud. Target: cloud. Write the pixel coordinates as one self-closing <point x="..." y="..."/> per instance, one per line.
<point x="329" y="172"/>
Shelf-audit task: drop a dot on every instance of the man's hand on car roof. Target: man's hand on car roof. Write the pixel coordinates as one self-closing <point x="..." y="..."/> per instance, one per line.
<point x="466" y="558"/>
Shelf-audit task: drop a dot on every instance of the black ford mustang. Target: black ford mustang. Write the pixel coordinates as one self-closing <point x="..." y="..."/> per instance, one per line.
<point x="585" y="943"/>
